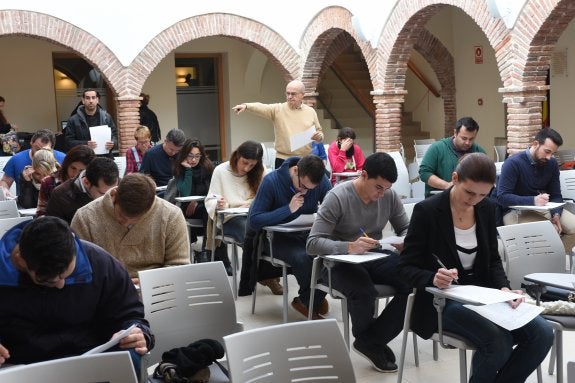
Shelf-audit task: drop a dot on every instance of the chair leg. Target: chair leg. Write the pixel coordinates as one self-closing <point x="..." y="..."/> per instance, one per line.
<point x="345" y="320"/>
<point x="285" y="296"/>
<point x="235" y="270"/>
<point x="254" y="298"/>
<point x="559" y="353"/>
<point x="435" y="351"/>
<point x="539" y="375"/>
<point x="552" y="356"/>
<point x="462" y="366"/>
<point x="415" y="350"/>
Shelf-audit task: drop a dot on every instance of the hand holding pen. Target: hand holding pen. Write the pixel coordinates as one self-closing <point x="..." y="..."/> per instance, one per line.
<point x="362" y="244"/>
<point x="541" y="199"/>
<point x="296" y="201"/>
<point x="444" y="276"/>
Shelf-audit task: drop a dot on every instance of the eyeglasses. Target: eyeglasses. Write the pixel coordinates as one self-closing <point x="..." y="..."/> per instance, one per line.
<point x="194" y="156"/>
<point x="143" y="142"/>
<point x="382" y="189"/>
<point x="302" y="186"/>
<point x="292" y="94"/>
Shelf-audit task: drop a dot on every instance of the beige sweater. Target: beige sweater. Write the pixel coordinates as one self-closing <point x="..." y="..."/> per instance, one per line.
<point x="159" y="239"/>
<point x="287" y="122"/>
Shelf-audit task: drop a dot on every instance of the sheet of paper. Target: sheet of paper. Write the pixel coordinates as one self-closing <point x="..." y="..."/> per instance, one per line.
<point x="191" y="198"/>
<point x="504" y="315"/>
<point x="112" y="342"/>
<point x="161" y="188"/>
<point x="356" y="258"/>
<point x="478" y="294"/>
<point x="302" y="220"/>
<point x="101" y="134"/>
<point x="235" y="210"/>
<point x="27" y="212"/>
<point x="392" y="240"/>
<point x="548" y="206"/>
<point x="300" y="139"/>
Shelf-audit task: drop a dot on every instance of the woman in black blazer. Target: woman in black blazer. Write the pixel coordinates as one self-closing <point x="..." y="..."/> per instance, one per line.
<point x="458" y="226"/>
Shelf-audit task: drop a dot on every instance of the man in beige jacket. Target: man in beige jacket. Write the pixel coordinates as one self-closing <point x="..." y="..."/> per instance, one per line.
<point x="140" y="229"/>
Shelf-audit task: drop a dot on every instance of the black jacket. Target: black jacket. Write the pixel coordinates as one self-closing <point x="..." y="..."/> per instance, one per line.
<point x="77" y="131"/>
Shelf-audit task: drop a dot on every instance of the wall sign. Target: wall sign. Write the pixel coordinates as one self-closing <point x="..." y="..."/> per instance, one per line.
<point x="478" y="54"/>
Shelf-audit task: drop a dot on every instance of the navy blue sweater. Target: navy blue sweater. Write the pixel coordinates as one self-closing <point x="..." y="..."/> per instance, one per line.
<point x="271" y="205"/>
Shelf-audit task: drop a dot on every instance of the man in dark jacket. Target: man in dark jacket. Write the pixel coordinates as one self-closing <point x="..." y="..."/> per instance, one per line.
<point x="62" y="296"/>
<point x="149" y="119"/>
<point x="77" y="131"/>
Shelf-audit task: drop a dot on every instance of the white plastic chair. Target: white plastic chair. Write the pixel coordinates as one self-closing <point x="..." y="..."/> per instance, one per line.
<point x="121" y="163"/>
<point x="187" y="303"/>
<point x="565" y="155"/>
<point x="111" y="367"/>
<point x="9" y="209"/>
<point x="310" y="351"/>
<point x="500" y="152"/>
<point x="424" y="141"/>
<point x="571" y="372"/>
<point x="567" y="181"/>
<point x="536" y="247"/>
<point x="420" y="151"/>
<point x="402" y="186"/>
<point x="8" y="223"/>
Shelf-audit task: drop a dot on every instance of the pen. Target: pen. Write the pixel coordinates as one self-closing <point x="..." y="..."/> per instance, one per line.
<point x="442" y="265"/>
<point x="363" y="232"/>
<point x="292" y="190"/>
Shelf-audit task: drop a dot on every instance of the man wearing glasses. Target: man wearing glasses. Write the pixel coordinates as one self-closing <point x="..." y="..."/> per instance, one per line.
<point x="350" y="221"/>
<point x="289" y="118"/>
<point x="136" y="153"/>
<point x="296" y="188"/>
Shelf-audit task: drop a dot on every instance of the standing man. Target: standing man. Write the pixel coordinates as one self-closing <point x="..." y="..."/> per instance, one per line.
<point x="42" y="139"/>
<point x="532" y="178"/>
<point x="158" y="161"/>
<point x="62" y="296"/>
<point x="296" y="188"/>
<point x="140" y="229"/>
<point x="442" y="156"/>
<point x="148" y="118"/>
<point x="289" y="118"/>
<point x="89" y="114"/>
<point x="350" y="221"/>
<point x="100" y="175"/>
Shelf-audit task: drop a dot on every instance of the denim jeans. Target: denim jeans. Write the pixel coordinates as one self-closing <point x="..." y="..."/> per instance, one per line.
<point x="290" y="247"/>
<point x="236" y="228"/>
<point x="495" y="359"/>
<point x="357" y="281"/>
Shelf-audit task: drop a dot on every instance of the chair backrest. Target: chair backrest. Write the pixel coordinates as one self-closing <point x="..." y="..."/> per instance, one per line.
<point x="111" y="367"/>
<point x="500" y="152"/>
<point x="565" y="155"/>
<point x="187" y="303"/>
<point x="9" y="209"/>
<point x="402" y="185"/>
<point x="269" y="158"/>
<point x="533" y="247"/>
<point x="311" y="351"/>
<point x="121" y="163"/>
<point x="567" y="180"/>
<point x="420" y="150"/>
<point x="424" y="141"/>
<point x="570" y="372"/>
<point x="8" y="223"/>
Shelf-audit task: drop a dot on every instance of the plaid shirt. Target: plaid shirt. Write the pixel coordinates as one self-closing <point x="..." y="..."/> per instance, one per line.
<point x="133" y="166"/>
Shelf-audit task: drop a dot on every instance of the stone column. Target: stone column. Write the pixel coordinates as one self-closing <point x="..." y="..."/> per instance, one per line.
<point x="128" y="120"/>
<point x="524" y="119"/>
<point x="388" y="106"/>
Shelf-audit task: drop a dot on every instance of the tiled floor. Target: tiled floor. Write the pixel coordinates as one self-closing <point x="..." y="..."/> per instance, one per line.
<point x="269" y="312"/>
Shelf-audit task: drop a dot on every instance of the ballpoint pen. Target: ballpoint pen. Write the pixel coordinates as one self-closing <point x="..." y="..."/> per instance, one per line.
<point x="363" y="233"/>
<point x="442" y="265"/>
<point x="292" y="190"/>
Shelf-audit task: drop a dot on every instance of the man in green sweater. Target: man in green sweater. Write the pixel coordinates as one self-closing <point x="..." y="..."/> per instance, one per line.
<point x="442" y="156"/>
<point x="289" y="118"/>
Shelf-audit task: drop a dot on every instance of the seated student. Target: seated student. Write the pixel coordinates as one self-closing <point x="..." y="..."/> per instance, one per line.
<point x="138" y="228"/>
<point x="296" y="188"/>
<point x="158" y="161"/>
<point x="62" y="296"/>
<point x="367" y="203"/>
<point x="43" y="164"/>
<point x="458" y="226"/>
<point x="100" y="175"/>
<point x="43" y="138"/>
<point x="75" y="161"/>
<point x="192" y="176"/>
<point x="234" y="184"/>
<point x="136" y="153"/>
<point x="345" y="155"/>
<point x="318" y="149"/>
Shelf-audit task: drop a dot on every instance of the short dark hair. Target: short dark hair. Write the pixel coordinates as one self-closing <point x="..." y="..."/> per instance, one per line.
<point x="546" y="133"/>
<point x="476" y="167"/>
<point x="47" y="245"/>
<point x="45" y="136"/>
<point x="470" y="124"/>
<point x="346" y="133"/>
<point x="135" y="194"/>
<point x="145" y="98"/>
<point x="90" y="90"/>
<point x="102" y="168"/>
<point x="79" y="153"/>
<point x="311" y="166"/>
<point x="176" y="137"/>
<point x="382" y="165"/>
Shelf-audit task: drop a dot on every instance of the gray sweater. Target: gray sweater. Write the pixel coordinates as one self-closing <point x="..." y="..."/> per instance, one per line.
<point x="343" y="213"/>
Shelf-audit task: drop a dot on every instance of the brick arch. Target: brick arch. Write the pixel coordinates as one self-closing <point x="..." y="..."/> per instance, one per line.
<point x="43" y="26"/>
<point x="441" y="61"/>
<point x="328" y="34"/>
<point x="275" y="47"/>
<point x="405" y="24"/>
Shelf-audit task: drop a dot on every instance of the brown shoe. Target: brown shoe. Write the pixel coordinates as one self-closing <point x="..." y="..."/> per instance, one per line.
<point x="274" y="285"/>
<point x="298" y="306"/>
<point x="323" y="308"/>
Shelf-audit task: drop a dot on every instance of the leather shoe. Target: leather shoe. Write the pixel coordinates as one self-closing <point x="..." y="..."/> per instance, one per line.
<point x="298" y="306"/>
<point x="274" y="285"/>
<point x="323" y="308"/>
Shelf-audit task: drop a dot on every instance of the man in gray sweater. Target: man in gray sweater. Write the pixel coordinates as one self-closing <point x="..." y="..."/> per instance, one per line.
<point x="350" y="221"/>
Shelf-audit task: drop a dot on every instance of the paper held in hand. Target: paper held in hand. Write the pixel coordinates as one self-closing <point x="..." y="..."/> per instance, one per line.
<point x="112" y="342"/>
<point x="506" y="316"/>
<point x="301" y="139"/>
<point x="101" y="134"/>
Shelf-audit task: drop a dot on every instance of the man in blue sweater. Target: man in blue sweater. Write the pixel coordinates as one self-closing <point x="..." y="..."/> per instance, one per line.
<point x="532" y="178"/>
<point x="296" y="188"/>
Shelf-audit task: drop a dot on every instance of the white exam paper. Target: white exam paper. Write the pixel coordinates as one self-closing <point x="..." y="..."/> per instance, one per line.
<point x="235" y="210"/>
<point x="392" y="240"/>
<point x="547" y="206"/>
<point x="356" y="258"/>
<point x="302" y="220"/>
<point x="112" y="342"/>
<point x="101" y="134"/>
<point x="191" y="198"/>
<point x="300" y="139"/>
<point x="504" y="315"/>
<point x="479" y="295"/>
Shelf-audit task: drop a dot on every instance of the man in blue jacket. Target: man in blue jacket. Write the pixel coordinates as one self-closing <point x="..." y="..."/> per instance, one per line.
<point x="62" y="296"/>
<point x="296" y="188"/>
